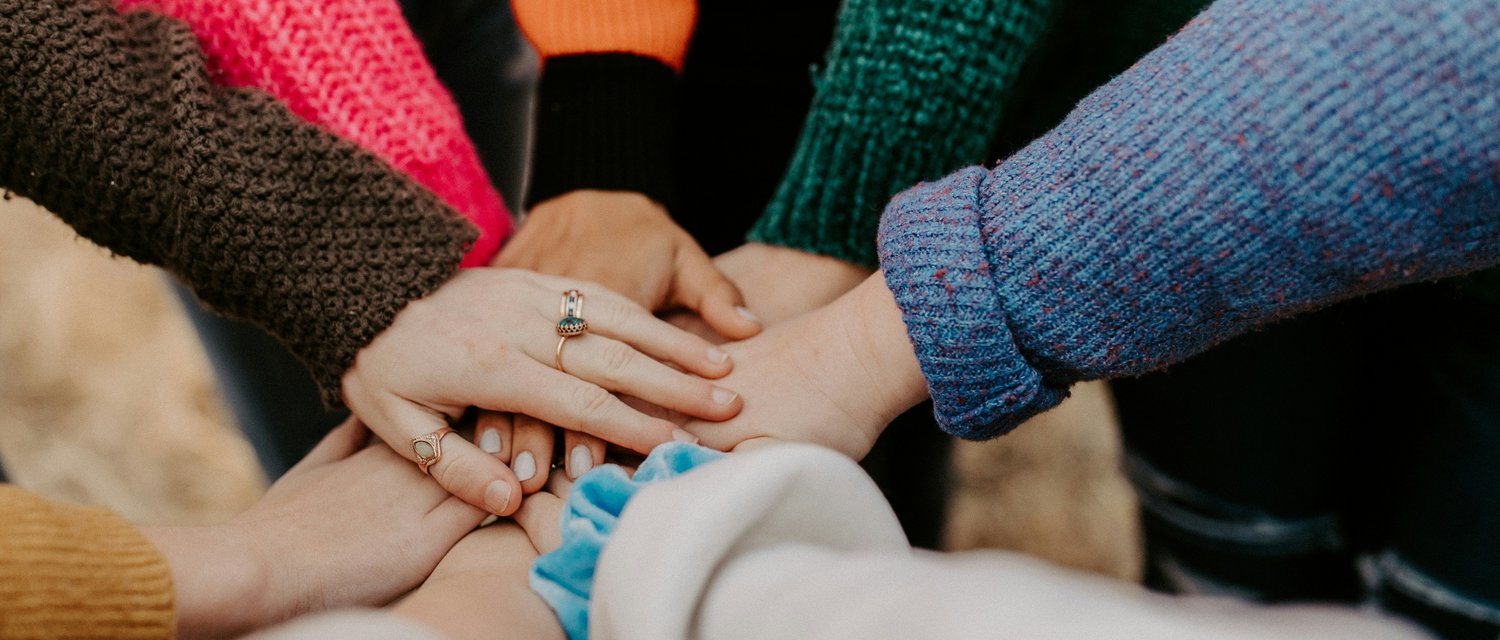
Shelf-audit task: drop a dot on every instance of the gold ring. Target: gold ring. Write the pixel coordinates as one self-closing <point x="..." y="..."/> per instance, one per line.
<point x="557" y="360"/>
<point x="571" y="310"/>
<point x="429" y="448"/>
<point x="572" y="304"/>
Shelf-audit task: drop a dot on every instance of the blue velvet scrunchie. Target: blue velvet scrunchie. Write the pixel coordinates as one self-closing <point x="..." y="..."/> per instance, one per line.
<point x="564" y="577"/>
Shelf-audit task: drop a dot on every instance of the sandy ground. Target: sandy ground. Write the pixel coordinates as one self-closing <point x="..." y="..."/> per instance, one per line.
<point x="106" y="398"/>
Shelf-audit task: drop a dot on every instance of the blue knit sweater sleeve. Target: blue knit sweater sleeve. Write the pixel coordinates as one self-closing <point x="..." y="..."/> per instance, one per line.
<point x="1272" y="157"/>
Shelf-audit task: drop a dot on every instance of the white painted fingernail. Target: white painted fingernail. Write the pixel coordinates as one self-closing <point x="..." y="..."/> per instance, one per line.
<point x="489" y="441"/>
<point x="524" y="466"/>
<point x="497" y="496"/>
<point x="748" y="315"/>
<point x="580" y="461"/>
<point x="724" y="396"/>
<point x="683" y="436"/>
<point x="717" y="355"/>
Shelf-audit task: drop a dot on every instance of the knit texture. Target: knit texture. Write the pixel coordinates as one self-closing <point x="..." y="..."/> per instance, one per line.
<point x="1271" y="158"/>
<point x="78" y="572"/>
<point x="112" y="124"/>
<point x="909" y="92"/>
<point x="564" y="577"/>
<point x="607" y="93"/>
<point x="354" y="68"/>
<point x="604" y="121"/>
<point x="656" y="29"/>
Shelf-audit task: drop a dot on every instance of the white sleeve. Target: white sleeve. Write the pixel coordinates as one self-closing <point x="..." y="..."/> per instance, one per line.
<point x="794" y="541"/>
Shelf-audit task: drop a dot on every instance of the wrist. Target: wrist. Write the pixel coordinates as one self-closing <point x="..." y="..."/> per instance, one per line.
<point x="878" y="338"/>
<point x="219" y="582"/>
<point x="780" y="283"/>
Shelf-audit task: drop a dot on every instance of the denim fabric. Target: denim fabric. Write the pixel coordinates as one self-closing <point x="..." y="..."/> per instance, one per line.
<point x="1348" y="456"/>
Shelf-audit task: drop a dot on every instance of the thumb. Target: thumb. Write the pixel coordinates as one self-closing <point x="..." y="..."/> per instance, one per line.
<point x="701" y="287"/>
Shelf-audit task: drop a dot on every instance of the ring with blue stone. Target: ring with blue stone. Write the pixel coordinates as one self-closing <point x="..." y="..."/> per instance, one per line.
<point x="572" y="326"/>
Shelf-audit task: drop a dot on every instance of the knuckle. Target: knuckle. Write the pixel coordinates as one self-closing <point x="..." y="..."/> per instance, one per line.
<point x="615" y="313"/>
<point x="592" y="403"/>
<point x="461" y="477"/>
<point x="616" y="359"/>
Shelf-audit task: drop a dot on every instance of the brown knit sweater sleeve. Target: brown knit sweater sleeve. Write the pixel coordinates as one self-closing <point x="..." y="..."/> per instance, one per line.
<point x="78" y="572"/>
<point x="111" y="123"/>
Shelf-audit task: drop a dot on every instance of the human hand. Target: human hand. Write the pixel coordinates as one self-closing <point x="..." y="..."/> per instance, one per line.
<point x="781" y="283"/>
<point x="526" y="445"/>
<point x="628" y="243"/>
<point x="481" y="589"/>
<point x="487" y="338"/>
<point x="834" y="377"/>
<point x="778" y="283"/>
<point x="349" y="525"/>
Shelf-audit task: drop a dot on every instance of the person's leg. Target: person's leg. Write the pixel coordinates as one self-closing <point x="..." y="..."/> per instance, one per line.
<point x="1435" y="493"/>
<point x="1240" y="461"/>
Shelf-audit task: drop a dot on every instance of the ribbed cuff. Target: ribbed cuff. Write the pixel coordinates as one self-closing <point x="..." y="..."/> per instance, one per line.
<point x="604" y="121"/>
<point x="910" y="93"/>
<point x="933" y="256"/>
<point x="79" y="572"/>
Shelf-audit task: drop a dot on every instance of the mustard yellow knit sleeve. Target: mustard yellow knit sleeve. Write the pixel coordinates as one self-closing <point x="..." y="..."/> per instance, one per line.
<point x="78" y="572"/>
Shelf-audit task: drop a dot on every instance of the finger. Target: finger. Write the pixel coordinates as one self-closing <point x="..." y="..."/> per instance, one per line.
<point x="452" y="517"/>
<point x="656" y="411"/>
<point x="539" y="517"/>
<point x="611" y="315"/>
<point x="561" y="399"/>
<point x="492" y="433"/>
<point x="583" y="452"/>
<point x="618" y="367"/>
<point x="340" y="443"/>
<point x="475" y="477"/>
<point x="700" y="286"/>
<point x="532" y="460"/>
<point x="559" y="485"/>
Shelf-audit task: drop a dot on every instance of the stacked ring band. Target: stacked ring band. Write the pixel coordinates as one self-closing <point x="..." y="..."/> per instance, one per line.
<point x="572" y="323"/>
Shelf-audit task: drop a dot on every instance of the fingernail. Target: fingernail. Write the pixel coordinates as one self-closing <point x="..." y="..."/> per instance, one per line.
<point x="717" y="355"/>
<point x="580" y="461"/>
<point x="724" y="396"/>
<point x="497" y="496"/>
<point x="489" y="441"/>
<point x="683" y="436"/>
<point x="524" y="466"/>
<point x="746" y="314"/>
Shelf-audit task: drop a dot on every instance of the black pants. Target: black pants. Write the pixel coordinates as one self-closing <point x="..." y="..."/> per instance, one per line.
<point x="1352" y="455"/>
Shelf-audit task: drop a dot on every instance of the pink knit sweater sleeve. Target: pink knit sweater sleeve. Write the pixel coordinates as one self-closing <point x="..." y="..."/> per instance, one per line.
<point x="354" y="68"/>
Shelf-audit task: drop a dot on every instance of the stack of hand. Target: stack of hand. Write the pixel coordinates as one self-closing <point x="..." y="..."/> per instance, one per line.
<point x="490" y="339"/>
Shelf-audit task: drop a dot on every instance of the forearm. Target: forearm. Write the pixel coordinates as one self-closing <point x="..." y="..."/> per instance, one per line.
<point x="78" y="572"/>
<point x="910" y="91"/>
<point x="800" y="587"/>
<point x="112" y="125"/>
<point x="1227" y="180"/>
<point x="796" y="541"/>
<point x="218" y="583"/>
<point x="605" y="100"/>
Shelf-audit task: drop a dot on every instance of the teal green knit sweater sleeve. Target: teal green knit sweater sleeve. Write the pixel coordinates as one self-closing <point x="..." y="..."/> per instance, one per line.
<point x="910" y="91"/>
